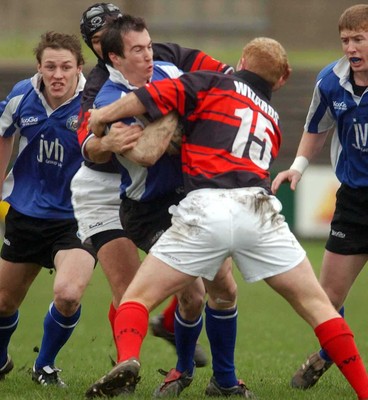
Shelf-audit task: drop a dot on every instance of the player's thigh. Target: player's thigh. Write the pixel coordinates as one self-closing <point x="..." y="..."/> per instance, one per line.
<point x="74" y="268"/>
<point x="300" y="287"/>
<point x="338" y="274"/>
<point x="120" y="261"/>
<point x="15" y="281"/>
<point x="222" y="291"/>
<point x="154" y="282"/>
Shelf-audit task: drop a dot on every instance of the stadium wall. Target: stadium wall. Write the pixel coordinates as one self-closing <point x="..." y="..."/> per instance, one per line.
<point x="296" y="23"/>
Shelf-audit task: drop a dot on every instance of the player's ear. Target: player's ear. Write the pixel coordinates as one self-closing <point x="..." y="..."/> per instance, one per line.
<point x="282" y="80"/>
<point x="114" y="58"/>
<point x="241" y="64"/>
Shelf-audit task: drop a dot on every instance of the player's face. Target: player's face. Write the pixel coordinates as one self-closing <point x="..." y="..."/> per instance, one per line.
<point x="60" y="74"/>
<point x="96" y="42"/>
<point x="137" y="64"/>
<point x="355" y="47"/>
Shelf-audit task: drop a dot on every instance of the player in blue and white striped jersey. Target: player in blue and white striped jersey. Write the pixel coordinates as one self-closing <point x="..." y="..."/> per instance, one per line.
<point x="97" y="211"/>
<point x="40" y="228"/>
<point x="339" y="106"/>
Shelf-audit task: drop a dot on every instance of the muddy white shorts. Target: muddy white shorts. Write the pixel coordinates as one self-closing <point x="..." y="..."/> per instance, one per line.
<point x="96" y="201"/>
<point x="210" y="225"/>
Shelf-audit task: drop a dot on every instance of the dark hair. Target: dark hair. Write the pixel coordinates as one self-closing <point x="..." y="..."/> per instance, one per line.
<point x="112" y="38"/>
<point x="95" y="18"/>
<point x="56" y="40"/>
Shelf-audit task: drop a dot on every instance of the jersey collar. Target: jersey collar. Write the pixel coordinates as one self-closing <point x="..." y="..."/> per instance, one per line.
<point x="257" y="83"/>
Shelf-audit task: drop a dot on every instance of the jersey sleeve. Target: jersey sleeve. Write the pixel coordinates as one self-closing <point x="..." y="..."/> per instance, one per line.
<point x="319" y="118"/>
<point x="9" y="108"/>
<point x="96" y="79"/>
<point x="181" y="94"/>
<point x="188" y="59"/>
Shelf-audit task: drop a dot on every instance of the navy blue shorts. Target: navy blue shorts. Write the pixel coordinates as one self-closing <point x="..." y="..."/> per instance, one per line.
<point x="145" y="222"/>
<point x="37" y="240"/>
<point x="349" y="225"/>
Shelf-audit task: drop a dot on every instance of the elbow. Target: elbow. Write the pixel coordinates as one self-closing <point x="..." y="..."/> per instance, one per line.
<point x="100" y="159"/>
<point x="144" y="161"/>
<point x="147" y="162"/>
<point x="142" y="158"/>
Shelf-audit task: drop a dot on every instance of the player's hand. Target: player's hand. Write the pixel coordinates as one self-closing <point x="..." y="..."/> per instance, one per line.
<point x="94" y="122"/>
<point x="289" y="175"/>
<point x="122" y="137"/>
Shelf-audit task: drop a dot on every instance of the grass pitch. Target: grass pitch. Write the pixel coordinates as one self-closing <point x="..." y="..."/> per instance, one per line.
<point x="272" y="342"/>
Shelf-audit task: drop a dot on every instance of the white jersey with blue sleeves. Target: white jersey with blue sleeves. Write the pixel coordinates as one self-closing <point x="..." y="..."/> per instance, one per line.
<point x="49" y="153"/>
<point x="335" y="106"/>
<point x="141" y="183"/>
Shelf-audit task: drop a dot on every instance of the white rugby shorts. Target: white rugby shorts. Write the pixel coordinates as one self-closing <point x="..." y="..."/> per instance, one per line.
<point x="210" y="225"/>
<point x="96" y="201"/>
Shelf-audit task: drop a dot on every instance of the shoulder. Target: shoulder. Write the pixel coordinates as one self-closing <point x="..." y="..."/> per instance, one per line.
<point x="109" y="92"/>
<point x="166" y="69"/>
<point x="334" y="72"/>
<point x="166" y="51"/>
<point x="22" y="87"/>
<point x="326" y="71"/>
<point x="22" y="95"/>
<point x="208" y="78"/>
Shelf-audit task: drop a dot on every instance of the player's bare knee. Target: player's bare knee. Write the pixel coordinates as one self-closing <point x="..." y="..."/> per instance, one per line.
<point x="8" y="305"/>
<point x="222" y="290"/>
<point x="67" y="302"/>
<point x="191" y="304"/>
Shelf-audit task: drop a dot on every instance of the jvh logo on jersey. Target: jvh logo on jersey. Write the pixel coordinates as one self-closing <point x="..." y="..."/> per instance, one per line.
<point x="361" y="136"/>
<point x="50" y="152"/>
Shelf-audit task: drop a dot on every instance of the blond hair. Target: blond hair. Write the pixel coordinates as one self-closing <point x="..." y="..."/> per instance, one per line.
<point x="266" y="58"/>
<point x="354" y="18"/>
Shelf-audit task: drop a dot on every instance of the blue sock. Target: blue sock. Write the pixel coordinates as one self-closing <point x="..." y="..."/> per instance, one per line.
<point x="322" y="353"/>
<point x="8" y="325"/>
<point x="186" y="336"/>
<point x="56" y="332"/>
<point x="221" y="331"/>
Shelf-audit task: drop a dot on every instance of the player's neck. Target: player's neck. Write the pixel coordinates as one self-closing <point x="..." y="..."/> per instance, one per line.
<point x="360" y="78"/>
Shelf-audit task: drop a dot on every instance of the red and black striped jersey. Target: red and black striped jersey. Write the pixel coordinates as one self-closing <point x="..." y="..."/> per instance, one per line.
<point x="184" y="58"/>
<point x="232" y="132"/>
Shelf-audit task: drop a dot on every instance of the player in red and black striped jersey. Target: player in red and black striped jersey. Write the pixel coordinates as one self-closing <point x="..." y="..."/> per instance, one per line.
<point x="227" y="144"/>
<point x="184" y="58"/>
<point x="231" y="138"/>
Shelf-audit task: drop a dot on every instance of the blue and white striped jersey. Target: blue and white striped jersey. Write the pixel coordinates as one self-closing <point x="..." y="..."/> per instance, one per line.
<point x="335" y="106"/>
<point x="49" y="152"/>
<point x="143" y="183"/>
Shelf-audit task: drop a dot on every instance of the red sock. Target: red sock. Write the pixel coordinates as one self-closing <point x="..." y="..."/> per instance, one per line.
<point x="169" y="315"/>
<point x="111" y="315"/>
<point x="337" y="340"/>
<point x="131" y="326"/>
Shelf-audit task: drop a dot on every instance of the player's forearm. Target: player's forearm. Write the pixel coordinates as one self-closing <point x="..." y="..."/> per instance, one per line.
<point x="310" y="146"/>
<point x="127" y="106"/>
<point x="96" y="151"/>
<point x="154" y="141"/>
<point x="6" y="149"/>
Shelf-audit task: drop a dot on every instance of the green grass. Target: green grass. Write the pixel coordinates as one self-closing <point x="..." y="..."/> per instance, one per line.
<point x="272" y="342"/>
